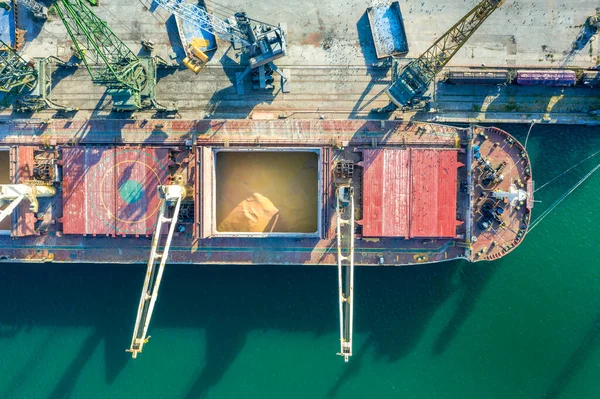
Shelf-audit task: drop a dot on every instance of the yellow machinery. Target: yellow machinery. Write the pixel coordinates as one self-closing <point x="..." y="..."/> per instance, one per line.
<point x="196" y="59"/>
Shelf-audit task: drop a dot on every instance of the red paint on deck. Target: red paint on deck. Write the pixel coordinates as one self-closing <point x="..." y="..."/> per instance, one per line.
<point x="25" y="219"/>
<point x="433" y="191"/>
<point x="112" y="191"/>
<point x="409" y="193"/>
<point x="83" y="187"/>
<point x="386" y="193"/>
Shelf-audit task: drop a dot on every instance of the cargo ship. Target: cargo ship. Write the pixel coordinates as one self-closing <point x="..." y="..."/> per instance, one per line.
<point x="243" y="192"/>
<point x="262" y="191"/>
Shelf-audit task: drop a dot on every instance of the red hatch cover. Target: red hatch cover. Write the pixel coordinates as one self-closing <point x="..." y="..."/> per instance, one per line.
<point x="409" y="192"/>
<point x="112" y="191"/>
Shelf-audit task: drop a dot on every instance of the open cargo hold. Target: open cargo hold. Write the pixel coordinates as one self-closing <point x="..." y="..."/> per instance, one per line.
<point x="266" y="192"/>
<point x="4" y="179"/>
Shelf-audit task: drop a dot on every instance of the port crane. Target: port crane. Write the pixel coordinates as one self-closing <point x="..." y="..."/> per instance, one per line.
<point x="16" y="74"/>
<point x="27" y="84"/>
<point x="263" y="43"/>
<point x="411" y="82"/>
<point x="170" y="197"/>
<point x="131" y="80"/>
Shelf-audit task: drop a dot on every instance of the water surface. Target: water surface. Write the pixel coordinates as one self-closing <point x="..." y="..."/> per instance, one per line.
<point x="526" y="326"/>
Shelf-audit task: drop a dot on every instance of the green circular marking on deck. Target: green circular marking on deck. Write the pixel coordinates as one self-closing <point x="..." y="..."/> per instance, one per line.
<point x="131" y="191"/>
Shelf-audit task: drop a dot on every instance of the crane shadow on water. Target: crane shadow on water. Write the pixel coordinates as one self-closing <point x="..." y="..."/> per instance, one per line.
<point x="228" y="303"/>
<point x="579" y="358"/>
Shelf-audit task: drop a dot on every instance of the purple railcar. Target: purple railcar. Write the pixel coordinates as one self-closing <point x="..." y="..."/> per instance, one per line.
<point x="546" y="77"/>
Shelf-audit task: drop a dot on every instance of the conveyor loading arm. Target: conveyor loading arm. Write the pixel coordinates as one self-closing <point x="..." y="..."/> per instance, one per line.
<point x="171" y="197"/>
<point x="13" y="194"/>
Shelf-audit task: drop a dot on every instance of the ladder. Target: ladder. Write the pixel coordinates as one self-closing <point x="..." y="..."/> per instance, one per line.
<point x="171" y="197"/>
<point x="345" y="247"/>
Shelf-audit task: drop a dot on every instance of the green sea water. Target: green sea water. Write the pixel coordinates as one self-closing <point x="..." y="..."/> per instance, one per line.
<point x="526" y="326"/>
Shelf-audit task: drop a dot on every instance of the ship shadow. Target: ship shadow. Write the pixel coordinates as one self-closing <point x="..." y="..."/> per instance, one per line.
<point x="472" y="280"/>
<point x="394" y="306"/>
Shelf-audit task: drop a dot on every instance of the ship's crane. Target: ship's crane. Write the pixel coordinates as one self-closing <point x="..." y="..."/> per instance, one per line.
<point x="411" y="82"/>
<point x="170" y="197"/>
<point x="263" y="43"/>
<point x="131" y="80"/>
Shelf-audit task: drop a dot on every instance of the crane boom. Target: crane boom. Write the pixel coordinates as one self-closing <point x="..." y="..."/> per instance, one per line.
<point x="131" y="80"/>
<point x="97" y="45"/>
<point x="413" y="80"/>
<point x="203" y="19"/>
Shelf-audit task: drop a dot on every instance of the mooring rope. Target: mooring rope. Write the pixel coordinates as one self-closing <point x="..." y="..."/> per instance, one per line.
<point x="566" y="171"/>
<point x="562" y="198"/>
<point x="527" y="138"/>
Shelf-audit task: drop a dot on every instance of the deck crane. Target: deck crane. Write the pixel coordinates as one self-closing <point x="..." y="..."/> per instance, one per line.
<point x="170" y="197"/>
<point x="131" y="80"/>
<point x="27" y="84"/>
<point x="411" y="82"/>
<point x="263" y="43"/>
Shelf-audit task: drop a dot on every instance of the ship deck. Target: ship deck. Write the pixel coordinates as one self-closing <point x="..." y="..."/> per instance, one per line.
<point x="110" y="170"/>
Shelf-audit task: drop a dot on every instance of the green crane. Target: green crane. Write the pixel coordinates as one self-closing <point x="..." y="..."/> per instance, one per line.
<point x="16" y="74"/>
<point x="27" y="85"/>
<point x="131" y="80"/>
